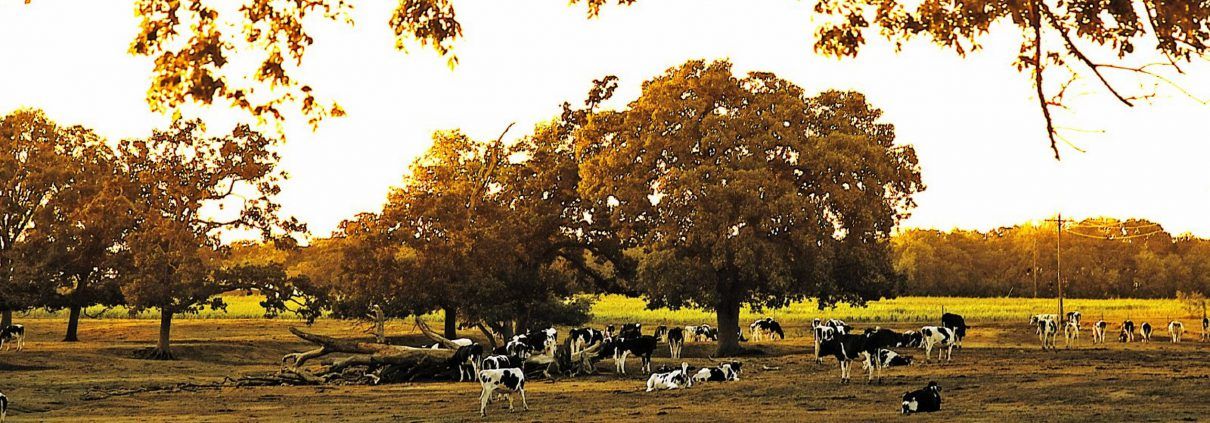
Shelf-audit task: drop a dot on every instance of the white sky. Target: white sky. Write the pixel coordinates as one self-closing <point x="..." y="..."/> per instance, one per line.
<point x="973" y="122"/>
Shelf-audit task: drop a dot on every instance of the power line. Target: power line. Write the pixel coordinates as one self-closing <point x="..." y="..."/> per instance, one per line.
<point x="1115" y="237"/>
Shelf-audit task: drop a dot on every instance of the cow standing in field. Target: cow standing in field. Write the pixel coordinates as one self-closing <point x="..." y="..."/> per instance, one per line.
<point x="935" y="336"/>
<point x="1071" y="332"/>
<point x="1145" y="330"/>
<point x="956" y="323"/>
<point x="467" y="360"/>
<point x="12" y="337"/>
<point x="676" y="341"/>
<point x="620" y="348"/>
<point x="1048" y="330"/>
<point x="766" y="328"/>
<point x="1176" y="329"/>
<point x="824" y="331"/>
<point x="506" y="381"/>
<point x="631" y="330"/>
<point x="1037" y="319"/>
<point x="1098" y="331"/>
<point x="661" y="333"/>
<point x="1127" y="334"/>
<point x="1074" y="316"/>
<point x="849" y="347"/>
<point x="582" y="338"/>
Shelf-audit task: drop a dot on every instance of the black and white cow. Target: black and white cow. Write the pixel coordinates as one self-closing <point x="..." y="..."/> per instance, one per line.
<point x="849" y="347"/>
<point x="631" y="330"/>
<point x="1074" y="316"/>
<point x="1176" y="329"/>
<point x="1127" y="334"/>
<point x="956" y="323"/>
<point x="1037" y="319"/>
<point x="540" y="340"/>
<point x="582" y="338"/>
<point x="766" y="328"/>
<point x="12" y="337"/>
<point x="620" y="348"/>
<point x="661" y="333"/>
<point x="675" y="379"/>
<point x="887" y="358"/>
<point x="1071" y="332"/>
<point x="467" y="360"/>
<point x="912" y="339"/>
<point x="936" y="336"/>
<point x="1048" y="331"/>
<point x="676" y="341"/>
<point x="507" y="381"/>
<point x="1145" y="330"/>
<point x="518" y="348"/>
<point x="496" y="362"/>
<point x="724" y="372"/>
<point x="926" y="400"/>
<point x="1098" y="331"/>
<point x="3" y="406"/>
<point x="705" y="333"/>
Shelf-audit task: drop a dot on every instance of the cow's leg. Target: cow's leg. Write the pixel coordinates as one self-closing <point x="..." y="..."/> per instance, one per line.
<point x="483" y="398"/>
<point x="524" y="404"/>
<point x="509" y="396"/>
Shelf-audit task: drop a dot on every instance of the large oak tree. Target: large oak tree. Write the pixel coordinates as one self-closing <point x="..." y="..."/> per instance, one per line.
<point x="745" y="191"/>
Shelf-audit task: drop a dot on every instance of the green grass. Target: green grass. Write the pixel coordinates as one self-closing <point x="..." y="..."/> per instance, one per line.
<point x="618" y="309"/>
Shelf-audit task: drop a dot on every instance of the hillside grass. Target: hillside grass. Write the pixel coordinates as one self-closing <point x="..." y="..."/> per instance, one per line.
<point x="619" y="309"/>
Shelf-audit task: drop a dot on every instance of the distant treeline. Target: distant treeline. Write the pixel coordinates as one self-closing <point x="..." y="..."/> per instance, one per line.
<point x="1100" y="258"/>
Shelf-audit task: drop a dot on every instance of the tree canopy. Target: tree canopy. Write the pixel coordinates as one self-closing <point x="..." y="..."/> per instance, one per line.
<point x="743" y="190"/>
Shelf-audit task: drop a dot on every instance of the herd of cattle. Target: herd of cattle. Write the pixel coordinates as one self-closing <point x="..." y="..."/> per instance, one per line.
<point x="1048" y="330"/>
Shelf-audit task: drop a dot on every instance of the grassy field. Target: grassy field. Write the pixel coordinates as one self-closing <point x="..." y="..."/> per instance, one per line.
<point x="617" y="309"/>
<point x="1001" y="374"/>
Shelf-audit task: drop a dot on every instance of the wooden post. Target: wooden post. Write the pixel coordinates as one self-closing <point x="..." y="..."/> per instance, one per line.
<point x="1059" y="267"/>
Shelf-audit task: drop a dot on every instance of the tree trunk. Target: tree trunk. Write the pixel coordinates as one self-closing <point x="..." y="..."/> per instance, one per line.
<point x="6" y="318"/>
<point x="73" y="324"/>
<point x="728" y="327"/>
<point x="451" y="322"/>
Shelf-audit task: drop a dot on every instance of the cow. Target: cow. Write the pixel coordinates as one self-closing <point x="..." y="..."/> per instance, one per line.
<point x="631" y="330"/>
<point x="886" y="338"/>
<point x="822" y="334"/>
<point x="467" y="360"/>
<point x="1048" y="330"/>
<point x="1145" y="330"/>
<point x="1127" y="334"/>
<point x="540" y="340"/>
<point x="1205" y="328"/>
<point x="496" y="362"/>
<point x="705" y="333"/>
<point x="675" y="379"/>
<point x="676" y="341"/>
<point x="934" y="336"/>
<point x="3" y="406"/>
<point x="1074" y="316"/>
<point x="518" y="348"/>
<point x="1071" y="332"/>
<point x="926" y="400"/>
<point x="1037" y="319"/>
<point x="12" y="337"/>
<point x="1176" y="329"/>
<point x="661" y="333"/>
<point x="619" y="348"/>
<point x="724" y="372"/>
<point x="848" y="347"/>
<point x="506" y="381"/>
<point x="461" y="342"/>
<point x="912" y="339"/>
<point x="610" y="331"/>
<point x="956" y="323"/>
<point x="766" y="328"/>
<point x="1098" y="331"/>
<point x="839" y="325"/>
<point x="582" y="338"/>
<point x="886" y="358"/>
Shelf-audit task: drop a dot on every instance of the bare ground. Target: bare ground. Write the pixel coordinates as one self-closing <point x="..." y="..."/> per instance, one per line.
<point x="1001" y="375"/>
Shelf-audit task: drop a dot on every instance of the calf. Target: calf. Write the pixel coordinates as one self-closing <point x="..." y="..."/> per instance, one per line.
<point x="582" y="338"/>
<point x="934" y="336"/>
<point x="956" y="323"/>
<point x="675" y="379"/>
<point x="467" y="360"/>
<point x="1048" y="330"/>
<point x="506" y="381"/>
<point x="1176" y="329"/>
<point x="620" y="348"/>
<point x="724" y="372"/>
<point x="1098" y="331"/>
<point x="1145" y="330"/>
<point x="13" y="334"/>
<point x="676" y="341"/>
<point x="1127" y="334"/>
<point x="926" y="400"/>
<point x="1071" y="333"/>
<point x="766" y="328"/>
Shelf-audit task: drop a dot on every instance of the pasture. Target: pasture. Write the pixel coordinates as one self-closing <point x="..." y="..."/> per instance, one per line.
<point x="1002" y="373"/>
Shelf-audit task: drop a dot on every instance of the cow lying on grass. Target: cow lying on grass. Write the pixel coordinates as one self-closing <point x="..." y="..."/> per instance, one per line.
<point x="675" y="379"/>
<point x="926" y="400"/>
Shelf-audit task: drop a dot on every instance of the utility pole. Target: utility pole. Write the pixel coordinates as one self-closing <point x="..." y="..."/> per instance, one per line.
<point x="1034" y="269"/>
<point x="1058" y="264"/>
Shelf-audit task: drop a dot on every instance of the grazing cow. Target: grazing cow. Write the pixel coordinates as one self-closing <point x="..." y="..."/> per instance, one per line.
<point x="926" y="400"/>
<point x="13" y="334"/>
<point x="1048" y="330"/>
<point x="467" y="359"/>
<point x="1205" y="328"/>
<point x="724" y="372"/>
<point x="1145" y="330"/>
<point x="675" y="379"/>
<point x="1098" y="331"/>
<point x="619" y="348"/>
<point x="766" y="328"/>
<point x="506" y="381"/>
<point x="1127" y="334"/>
<point x="936" y="336"/>
<point x="1071" y="333"/>
<point x="956" y="323"/>
<point x="661" y="333"/>
<point x="676" y="341"/>
<point x="3" y="406"/>
<point x="503" y="362"/>
<point x="582" y="338"/>
<point x="1176" y="329"/>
